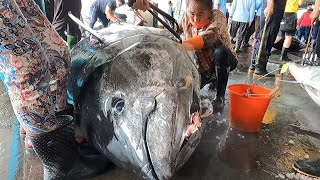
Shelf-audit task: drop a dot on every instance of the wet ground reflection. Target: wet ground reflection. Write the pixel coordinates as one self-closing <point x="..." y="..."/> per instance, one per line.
<point x="239" y="150"/>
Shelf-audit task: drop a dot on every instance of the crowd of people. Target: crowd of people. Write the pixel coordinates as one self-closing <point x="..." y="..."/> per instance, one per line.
<point x="35" y="59"/>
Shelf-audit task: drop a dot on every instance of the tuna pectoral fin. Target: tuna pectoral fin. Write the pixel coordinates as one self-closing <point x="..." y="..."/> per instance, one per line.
<point x="206" y="108"/>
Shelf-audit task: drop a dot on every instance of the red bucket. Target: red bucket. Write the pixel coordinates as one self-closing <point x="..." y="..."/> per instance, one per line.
<point x="246" y="112"/>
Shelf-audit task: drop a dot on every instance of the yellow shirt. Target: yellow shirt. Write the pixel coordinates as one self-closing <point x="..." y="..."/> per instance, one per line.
<point x="291" y="6"/>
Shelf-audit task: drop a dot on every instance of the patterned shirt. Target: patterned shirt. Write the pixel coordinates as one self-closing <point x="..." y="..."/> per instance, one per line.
<point x="214" y="35"/>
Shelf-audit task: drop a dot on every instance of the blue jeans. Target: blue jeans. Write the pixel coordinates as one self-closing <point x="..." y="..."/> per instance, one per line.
<point x="318" y="44"/>
<point x="303" y="31"/>
<point x="96" y="13"/>
<point x="315" y="32"/>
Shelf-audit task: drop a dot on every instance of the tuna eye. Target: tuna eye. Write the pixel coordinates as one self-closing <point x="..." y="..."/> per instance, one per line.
<point x="118" y="105"/>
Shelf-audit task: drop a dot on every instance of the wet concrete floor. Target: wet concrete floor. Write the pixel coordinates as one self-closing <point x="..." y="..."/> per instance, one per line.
<point x="223" y="153"/>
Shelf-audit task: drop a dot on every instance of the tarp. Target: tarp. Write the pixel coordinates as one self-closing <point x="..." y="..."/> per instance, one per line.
<point x="309" y="77"/>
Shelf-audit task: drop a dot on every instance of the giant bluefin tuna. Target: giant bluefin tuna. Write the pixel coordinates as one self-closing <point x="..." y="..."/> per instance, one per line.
<point x="134" y="95"/>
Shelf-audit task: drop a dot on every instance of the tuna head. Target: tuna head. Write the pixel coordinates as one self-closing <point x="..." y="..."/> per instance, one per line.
<point x="136" y="108"/>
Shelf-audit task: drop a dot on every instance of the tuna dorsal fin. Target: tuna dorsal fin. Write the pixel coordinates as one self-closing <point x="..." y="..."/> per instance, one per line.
<point x="87" y="28"/>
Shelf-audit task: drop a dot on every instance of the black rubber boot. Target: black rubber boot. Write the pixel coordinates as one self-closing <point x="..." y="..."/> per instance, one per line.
<point x="309" y="168"/>
<point x="317" y="62"/>
<point x="284" y="54"/>
<point x="252" y="66"/>
<point x="222" y="75"/>
<point x="71" y="41"/>
<point x="58" y="151"/>
<point x="213" y="84"/>
<point x="261" y="68"/>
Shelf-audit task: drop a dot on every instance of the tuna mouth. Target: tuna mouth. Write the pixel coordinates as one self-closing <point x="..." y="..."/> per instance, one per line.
<point x="149" y="171"/>
<point x="194" y="108"/>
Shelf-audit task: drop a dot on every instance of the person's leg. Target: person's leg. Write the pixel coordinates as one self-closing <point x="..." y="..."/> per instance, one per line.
<point x="59" y="21"/>
<point x="270" y="36"/>
<point x="243" y="27"/>
<point x="300" y="32"/>
<point x="275" y="25"/>
<point x="306" y="33"/>
<point x="32" y="104"/>
<point x="278" y="38"/>
<point x="249" y="33"/>
<point x="291" y="19"/>
<point x="315" y="31"/>
<point x="257" y="27"/>
<point x="73" y="30"/>
<point x="224" y="62"/>
<point x="317" y="62"/>
<point x="286" y="46"/>
<point x="318" y="43"/>
<point x="93" y="15"/>
<point x="67" y="28"/>
<point x="233" y="30"/>
<point x="103" y="18"/>
<point x="55" y="50"/>
<point x="27" y="77"/>
<point x="314" y="36"/>
<point x="49" y="4"/>
<point x="256" y="30"/>
<point x="288" y="40"/>
<point x="42" y="6"/>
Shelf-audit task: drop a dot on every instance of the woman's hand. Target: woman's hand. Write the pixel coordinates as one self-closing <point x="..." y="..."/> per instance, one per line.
<point x="142" y="5"/>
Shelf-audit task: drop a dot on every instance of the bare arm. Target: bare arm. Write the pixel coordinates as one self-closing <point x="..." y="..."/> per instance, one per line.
<point x="315" y="13"/>
<point x="317" y="4"/>
<point x="301" y="2"/>
<point x="110" y="14"/>
<point x="269" y="9"/>
<point x="141" y="4"/>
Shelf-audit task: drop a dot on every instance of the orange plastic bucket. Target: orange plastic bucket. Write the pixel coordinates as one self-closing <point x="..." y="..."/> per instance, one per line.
<point x="246" y="113"/>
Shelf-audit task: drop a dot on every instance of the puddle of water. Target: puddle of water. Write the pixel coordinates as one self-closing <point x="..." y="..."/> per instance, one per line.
<point x="239" y="150"/>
